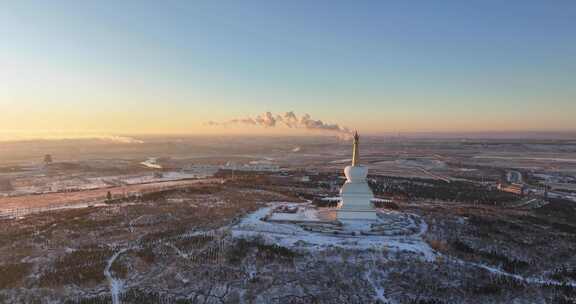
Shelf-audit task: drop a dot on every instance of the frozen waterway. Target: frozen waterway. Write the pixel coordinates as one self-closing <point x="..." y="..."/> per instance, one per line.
<point x="116" y="285"/>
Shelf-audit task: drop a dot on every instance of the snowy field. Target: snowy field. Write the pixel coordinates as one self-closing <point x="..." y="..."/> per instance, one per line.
<point x="295" y="237"/>
<point x="68" y="184"/>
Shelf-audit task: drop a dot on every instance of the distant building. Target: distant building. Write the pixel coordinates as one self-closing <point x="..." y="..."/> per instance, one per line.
<point x="48" y="159"/>
<point x="519" y="189"/>
<point x="201" y="170"/>
<point x="152" y="163"/>
<point x="514" y="177"/>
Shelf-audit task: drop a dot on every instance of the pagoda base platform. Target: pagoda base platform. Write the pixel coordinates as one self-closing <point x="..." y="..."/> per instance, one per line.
<point x="357" y="215"/>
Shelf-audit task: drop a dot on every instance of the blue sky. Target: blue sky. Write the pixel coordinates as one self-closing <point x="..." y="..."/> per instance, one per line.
<point x="379" y="66"/>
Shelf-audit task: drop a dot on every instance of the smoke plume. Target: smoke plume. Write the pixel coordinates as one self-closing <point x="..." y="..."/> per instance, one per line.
<point x="290" y="120"/>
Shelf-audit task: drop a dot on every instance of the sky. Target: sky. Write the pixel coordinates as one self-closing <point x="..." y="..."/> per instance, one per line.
<point x="155" y="67"/>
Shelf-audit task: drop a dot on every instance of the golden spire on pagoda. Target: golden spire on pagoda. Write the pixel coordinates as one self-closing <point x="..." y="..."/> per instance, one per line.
<point x="355" y="151"/>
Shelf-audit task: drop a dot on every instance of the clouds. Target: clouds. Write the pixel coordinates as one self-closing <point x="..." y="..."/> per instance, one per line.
<point x="288" y="119"/>
<point x="64" y="135"/>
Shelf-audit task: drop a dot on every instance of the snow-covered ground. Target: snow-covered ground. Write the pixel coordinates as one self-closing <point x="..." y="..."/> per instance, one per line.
<point x="421" y="163"/>
<point x="552" y="159"/>
<point x="21" y="213"/>
<point x="294" y="236"/>
<point x="92" y="183"/>
<point x="529" y="280"/>
<point x="116" y="285"/>
<point x="166" y="177"/>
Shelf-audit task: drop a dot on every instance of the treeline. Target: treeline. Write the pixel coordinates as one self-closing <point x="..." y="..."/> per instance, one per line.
<point x="136" y="296"/>
<point x="508" y="264"/>
<point x="496" y="284"/>
<point x="81" y="267"/>
<point x="564" y="273"/>
<point x="437" y="190"/>
<point x="11" y="275"/>
<point x="161" y="194"/>
<point x="267" y="253"/>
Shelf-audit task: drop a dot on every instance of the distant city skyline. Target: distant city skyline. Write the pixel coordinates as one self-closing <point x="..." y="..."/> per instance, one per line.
<point x="145" y="67"/>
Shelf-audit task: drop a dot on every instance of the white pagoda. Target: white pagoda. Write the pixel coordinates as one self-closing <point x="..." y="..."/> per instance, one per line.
<point x="356" y="196"/>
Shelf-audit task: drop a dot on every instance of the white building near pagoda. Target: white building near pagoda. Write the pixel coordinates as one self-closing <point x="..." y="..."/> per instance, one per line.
<point x="356" y="196"/>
